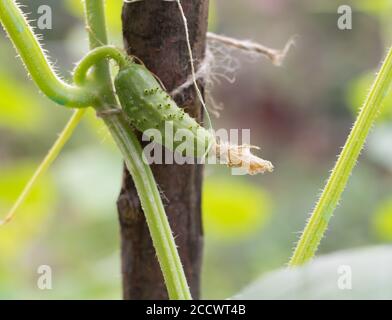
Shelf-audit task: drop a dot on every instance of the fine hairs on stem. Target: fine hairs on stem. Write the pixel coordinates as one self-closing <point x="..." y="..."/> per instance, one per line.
<point x="318" y="222"/>
<point x="99" y="93"/>
<point x="126" y="140"/>
<point x="36" y="61"/>
<point x="79" y="77"/>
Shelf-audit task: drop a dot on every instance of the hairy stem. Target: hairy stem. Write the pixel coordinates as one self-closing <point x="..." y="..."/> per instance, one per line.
<point x="130" y="147"/>
<point x="154" y="211"/>
<point x="36" y="62"/>
<point x="54" y="151"/>
<point x="318" y="222"/>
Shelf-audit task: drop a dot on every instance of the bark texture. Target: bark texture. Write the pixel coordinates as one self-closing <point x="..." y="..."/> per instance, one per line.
<point x="153" y="31"/>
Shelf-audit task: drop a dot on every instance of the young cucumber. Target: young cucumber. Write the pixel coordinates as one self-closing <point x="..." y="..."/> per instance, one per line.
<point x="148" y="107"/>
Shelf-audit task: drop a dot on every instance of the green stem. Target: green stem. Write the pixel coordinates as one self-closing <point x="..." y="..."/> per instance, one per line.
<point x="318" y="222"/>
<point x="93" y="57"/>
<point x="54" y="151"/>
<point x="154" y="211"/>
<point x="36" y="62"/>
<point x="131" y="149"/>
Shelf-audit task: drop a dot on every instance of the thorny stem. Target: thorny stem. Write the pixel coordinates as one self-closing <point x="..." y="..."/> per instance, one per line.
<point x="318" y="222"/>
<point x="36" y="62"/>
<point x="143" y="178"/>
<point x="54" y="151"/>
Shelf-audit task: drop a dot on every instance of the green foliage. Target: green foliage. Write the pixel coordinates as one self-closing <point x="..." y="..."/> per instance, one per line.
<point x="18" y="110"/>
<point x="234" y="209"/>
<point x="30" y="222"/>
<point x="97" y="197"/>
<point x="382" y="220"/>
<point x="99" y="94"/>
<point x="357" y="91"/>
<point x="374" y="6"/>
<point x="326" y="205"/>
<point x="212" y="16"/>
<point x="113" y="12"/>
<point x="235" y="212"/>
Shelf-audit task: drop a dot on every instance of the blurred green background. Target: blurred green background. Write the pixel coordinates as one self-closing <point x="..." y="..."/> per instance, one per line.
<point x="300" y="114"/>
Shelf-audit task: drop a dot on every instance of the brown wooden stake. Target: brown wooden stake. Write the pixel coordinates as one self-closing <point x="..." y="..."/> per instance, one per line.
<point x="153" y="31"/>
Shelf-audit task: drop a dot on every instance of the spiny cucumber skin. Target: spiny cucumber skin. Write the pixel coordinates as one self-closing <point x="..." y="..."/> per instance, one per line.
<point x="148" y="106"/>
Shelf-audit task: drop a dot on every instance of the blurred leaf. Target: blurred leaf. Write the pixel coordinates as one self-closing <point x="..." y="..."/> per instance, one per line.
<point x="30" y="217"/>
<point x="75" y="7"/>
<point x="382" y="221"/>
<point x="374" y="6"/>
<point x="19" y="107"/>
<point x="233" y="208"/>
<point x="370" y="274"/>
<point x="356" y="94"/>
<point x="377" y="7"/>
<point x="212" y="16"/>
<point x="379" y="146"/>
<point x="100" y="130"/>
<point x="90" y="178"/>
<point x="113" y="13"/>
